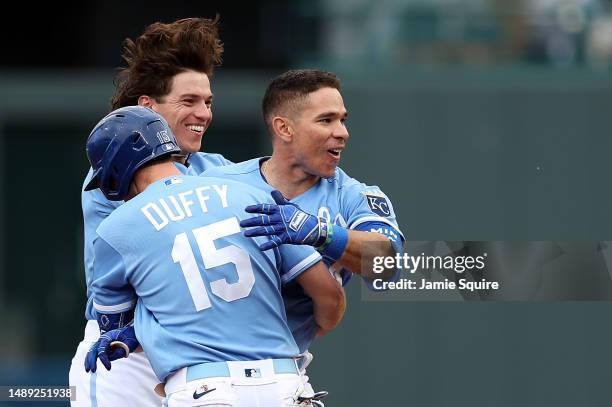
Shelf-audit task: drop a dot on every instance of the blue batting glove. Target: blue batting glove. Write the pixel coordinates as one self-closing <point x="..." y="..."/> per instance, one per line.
<point x="284" y="222"/>
<point x="112" y="345"/>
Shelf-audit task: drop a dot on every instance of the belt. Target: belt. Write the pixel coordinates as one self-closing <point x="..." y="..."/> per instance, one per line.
<point x="221" y="369"/>
<point x="242" y="372"/>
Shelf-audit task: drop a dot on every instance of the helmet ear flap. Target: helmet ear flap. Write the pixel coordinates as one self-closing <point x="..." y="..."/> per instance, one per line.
<point x="113" y="179"/>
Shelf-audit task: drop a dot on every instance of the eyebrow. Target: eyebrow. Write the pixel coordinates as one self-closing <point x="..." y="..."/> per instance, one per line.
<point x="331" y="114"/>
<point x="193" y="95"/>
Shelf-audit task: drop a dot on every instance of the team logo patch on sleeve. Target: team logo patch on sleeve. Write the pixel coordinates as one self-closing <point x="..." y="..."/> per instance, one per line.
<point x="379" y="204"/>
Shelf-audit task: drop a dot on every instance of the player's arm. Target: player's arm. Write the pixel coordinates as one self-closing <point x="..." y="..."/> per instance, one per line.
<point x="114" y="301"/>
<point x="95" y="208"/>
<point x="329" y="301"/>
<point x="285" y="222"/>
<point x="373" y="230"/>
<point x="303" y="264"/>
<point x="353" y="254"/>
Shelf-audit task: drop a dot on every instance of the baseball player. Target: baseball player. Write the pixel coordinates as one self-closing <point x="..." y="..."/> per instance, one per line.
<point x="205" y="300"/>
<point x="327" y="209"/>
<point x="168" y="70"/>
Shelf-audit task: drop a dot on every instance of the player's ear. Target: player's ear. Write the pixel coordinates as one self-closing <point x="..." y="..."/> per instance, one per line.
<point x="146" y="101"/>
<point x="282" y="128"/>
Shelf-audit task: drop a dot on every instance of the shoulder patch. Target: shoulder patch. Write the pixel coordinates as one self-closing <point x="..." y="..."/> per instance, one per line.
<point x="378" y="203"/>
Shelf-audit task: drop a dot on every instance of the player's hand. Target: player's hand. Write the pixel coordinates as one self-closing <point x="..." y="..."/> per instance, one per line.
<point x="284" y="222"/>
<point x="112" y="345"/>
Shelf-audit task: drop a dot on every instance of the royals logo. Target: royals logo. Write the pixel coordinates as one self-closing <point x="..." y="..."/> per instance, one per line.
<point x="379" y="204"/>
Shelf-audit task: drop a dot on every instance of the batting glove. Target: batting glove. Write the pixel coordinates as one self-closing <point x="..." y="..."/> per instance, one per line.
<point x="112" y="345"/>
<point x="285" y="222"/>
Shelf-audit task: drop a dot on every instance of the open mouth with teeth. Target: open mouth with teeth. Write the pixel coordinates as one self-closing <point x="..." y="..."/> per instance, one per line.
<point x="335" y="152"/>
<point x="196" y="128"/>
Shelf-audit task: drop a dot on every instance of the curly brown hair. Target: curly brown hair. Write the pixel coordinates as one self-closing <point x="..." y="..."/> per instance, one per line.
<point x="163" y="51"/>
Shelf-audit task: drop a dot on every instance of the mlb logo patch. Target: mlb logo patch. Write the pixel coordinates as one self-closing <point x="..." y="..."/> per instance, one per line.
<point x="379" y="204"/>
<point x="173" y="181"/>
<point x="253" y="373"/>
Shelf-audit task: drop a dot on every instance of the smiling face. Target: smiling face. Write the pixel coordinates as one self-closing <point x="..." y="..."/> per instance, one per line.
<point x="186" y="108"/>
<point x="319" y="132"/>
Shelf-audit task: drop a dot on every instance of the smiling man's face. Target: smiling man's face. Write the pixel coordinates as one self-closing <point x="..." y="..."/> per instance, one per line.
<point x="187" y="108"/>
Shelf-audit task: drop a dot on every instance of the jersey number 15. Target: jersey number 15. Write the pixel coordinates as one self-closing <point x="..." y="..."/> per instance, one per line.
<point x="205" y="236"/>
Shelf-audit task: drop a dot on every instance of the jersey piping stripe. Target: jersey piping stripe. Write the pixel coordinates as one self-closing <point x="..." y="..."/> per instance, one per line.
<point x="115" y="308"/>
<point x="92" y="390"/>
<point x="308" y="261"/>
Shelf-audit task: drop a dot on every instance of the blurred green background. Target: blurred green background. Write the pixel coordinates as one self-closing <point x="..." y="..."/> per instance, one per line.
<point x="481" y="119"/>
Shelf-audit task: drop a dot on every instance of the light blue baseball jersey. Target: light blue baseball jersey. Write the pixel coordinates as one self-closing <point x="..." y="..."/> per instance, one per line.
<point x="205" y="292"/>
<point x="342" y="200"/>
<point x="96" y="208"/>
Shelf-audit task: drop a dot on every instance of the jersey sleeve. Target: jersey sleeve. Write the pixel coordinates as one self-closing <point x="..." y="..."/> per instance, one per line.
<point x="366" y="207"/>
<point x="95" y="208"/>
<point x="295" y="259"/>
<point x="396" y="241"/>
<point x="111" y="290"/>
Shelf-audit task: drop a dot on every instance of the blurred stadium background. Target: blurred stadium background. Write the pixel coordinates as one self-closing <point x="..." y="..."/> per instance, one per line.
<point x="481" y="119"/>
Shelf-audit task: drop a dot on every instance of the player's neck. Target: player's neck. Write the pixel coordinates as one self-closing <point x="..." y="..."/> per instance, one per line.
<point x="152" y="173"/>
<point x="289" y="178"/>
<point x="181" y="158"/>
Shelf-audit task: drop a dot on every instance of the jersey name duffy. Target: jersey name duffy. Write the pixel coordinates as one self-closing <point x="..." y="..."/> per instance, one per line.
<point x="177" y="207"/>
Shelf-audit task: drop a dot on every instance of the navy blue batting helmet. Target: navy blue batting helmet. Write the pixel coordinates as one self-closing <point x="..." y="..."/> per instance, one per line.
<point x="122" y="142"/>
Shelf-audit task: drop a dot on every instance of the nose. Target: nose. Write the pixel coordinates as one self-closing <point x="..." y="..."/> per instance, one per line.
<point x="340" y="131"/>
<point x="203" y="112"/>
